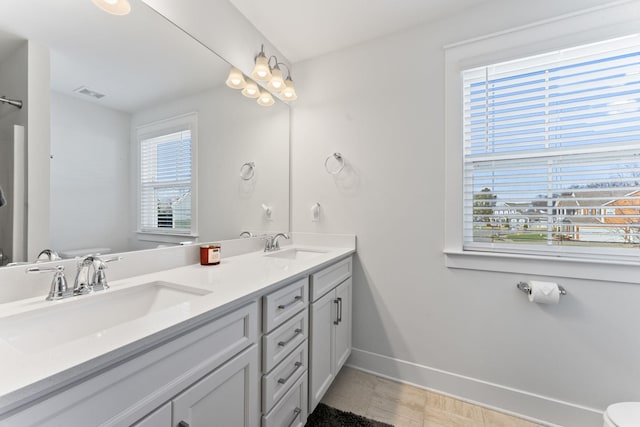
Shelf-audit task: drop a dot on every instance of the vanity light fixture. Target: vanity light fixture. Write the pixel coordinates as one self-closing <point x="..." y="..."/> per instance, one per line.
<point x="265" y="99"/>
<point x="261" y="70"/>
<point x="264" y="72"/>
<point x="236" y="79"/>
<point x="276" y="84"/>
<point x="251" y="89"/>
<point x="114" y="7"/>
<point x="289" y="91"/>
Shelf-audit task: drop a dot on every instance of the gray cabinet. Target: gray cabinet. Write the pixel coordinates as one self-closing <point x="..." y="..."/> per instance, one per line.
<point x="137" y="390"/>
<point x="330" y="334"/>
<point x="285" y="322"/>
<point x="322" y="348"/>
<point x="226" y="397"/>
<point x="343" y="328"/>
<point x="161" y="417"/>
<point x="227" y="371"/>
<point x="291" y="410"/>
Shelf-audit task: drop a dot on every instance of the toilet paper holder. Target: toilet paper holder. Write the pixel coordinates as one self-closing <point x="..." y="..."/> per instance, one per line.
<point x="524" y="287"/>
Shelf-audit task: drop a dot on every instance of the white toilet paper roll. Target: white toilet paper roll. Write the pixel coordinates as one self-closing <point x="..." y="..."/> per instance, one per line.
<point x="544" y="292"/>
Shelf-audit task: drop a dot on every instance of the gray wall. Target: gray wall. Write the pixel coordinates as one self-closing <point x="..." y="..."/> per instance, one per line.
<point x="465" y="332"/>
<point x="89" y="175"/>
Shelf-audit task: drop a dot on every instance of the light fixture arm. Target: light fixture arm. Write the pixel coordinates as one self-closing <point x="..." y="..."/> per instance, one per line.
<point x="276" y="60"/>
<point x="261" y="53"/>
<point x="287" y="67"/>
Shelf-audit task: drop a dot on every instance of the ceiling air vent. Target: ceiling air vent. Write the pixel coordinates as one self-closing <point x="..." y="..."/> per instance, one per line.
<point x="86" y="91"/>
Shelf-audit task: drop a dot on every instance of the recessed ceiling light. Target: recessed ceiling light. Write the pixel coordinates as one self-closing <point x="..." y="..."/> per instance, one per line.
<point x="115" y="7"/>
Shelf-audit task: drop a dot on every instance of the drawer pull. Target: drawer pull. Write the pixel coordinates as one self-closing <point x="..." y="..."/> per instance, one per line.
<point x="295" y="300"/>
<point x="283" y="343"/>
<point x="284" y="380"/>
<point x="296" y="412"/>
<point x="183" y="424"/>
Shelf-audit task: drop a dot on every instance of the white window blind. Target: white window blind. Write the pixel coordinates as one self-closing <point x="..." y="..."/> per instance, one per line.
<point x="166" y="183"/>
<point x="552" y="153"/>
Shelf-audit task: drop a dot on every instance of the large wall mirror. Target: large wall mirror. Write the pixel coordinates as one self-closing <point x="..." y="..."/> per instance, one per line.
<point x="93" y="86"/>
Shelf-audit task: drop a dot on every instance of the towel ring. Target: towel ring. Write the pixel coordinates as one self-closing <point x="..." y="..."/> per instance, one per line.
<point x="339" y="162"/>
<point x="247" y="170"/>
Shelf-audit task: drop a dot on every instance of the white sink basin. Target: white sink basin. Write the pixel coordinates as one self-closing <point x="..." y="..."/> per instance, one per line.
<point x="68" y="320"/>
<point x="297" y="254"/>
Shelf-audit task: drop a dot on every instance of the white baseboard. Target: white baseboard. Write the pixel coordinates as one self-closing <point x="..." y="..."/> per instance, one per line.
<point x="533" y="407"/>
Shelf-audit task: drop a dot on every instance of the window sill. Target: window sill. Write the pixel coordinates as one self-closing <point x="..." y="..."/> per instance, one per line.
<point x="147" y="236"/>
<point x="574" y="268"/>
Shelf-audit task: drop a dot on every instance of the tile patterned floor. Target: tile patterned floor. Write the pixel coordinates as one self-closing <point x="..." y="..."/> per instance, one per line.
<point x="402" y="405"/>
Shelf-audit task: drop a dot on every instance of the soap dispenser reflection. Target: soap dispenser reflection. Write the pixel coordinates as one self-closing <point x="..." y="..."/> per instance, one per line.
<point x="268" y="212"/>
<point x="315" y="212"/>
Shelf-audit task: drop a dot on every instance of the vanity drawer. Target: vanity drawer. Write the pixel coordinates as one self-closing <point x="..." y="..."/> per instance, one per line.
<point x="291" y="410"/>
<point x="280" y="305"/>
<point x="279" y="343"/>
<point x="282" y="377"/>
<point x="325" y="280"/>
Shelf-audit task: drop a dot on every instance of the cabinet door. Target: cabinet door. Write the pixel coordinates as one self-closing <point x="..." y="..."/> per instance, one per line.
<point x="226" y="397"/>
<point x="321" y="360"/>
<point x="343" y="328"/>
<point x="161" y="417"/>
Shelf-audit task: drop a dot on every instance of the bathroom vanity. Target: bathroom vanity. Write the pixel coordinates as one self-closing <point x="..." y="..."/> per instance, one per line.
<point x="254" y="341"/>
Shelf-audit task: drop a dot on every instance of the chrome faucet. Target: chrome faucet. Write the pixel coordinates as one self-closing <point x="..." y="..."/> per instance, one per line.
<point x="85" y="282"/>
<point x="48" y="255"/>
<point x="276" y="243"/>
<point x="59" y="289"/>
<point x="271" y="242"/>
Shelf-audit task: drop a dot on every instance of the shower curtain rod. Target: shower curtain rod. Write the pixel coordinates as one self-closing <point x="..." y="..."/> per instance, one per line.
<point x="15" y="102"/>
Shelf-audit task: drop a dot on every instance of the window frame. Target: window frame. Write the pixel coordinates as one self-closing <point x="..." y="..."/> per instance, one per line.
<point x="188" y="121"/>
<point x="558" y="33"/>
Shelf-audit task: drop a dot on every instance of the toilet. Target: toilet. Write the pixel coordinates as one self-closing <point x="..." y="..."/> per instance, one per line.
<point x="624" y="414"/>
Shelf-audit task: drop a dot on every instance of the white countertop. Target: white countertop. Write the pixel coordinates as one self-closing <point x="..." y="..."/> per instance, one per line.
<point x="25" y="376"/>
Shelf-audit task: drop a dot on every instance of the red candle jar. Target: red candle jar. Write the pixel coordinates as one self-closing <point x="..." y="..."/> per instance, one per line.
<point x="210" y="254"/>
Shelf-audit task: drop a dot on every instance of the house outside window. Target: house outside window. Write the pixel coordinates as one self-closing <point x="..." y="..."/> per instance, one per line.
<point x="167" y="195"/>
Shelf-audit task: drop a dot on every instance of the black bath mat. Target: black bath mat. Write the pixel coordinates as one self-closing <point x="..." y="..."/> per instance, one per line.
<point x="325" y="416"/>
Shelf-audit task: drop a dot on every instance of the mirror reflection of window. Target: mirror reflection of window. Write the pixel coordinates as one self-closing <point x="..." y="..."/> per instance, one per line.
<point x="166" y="180"/>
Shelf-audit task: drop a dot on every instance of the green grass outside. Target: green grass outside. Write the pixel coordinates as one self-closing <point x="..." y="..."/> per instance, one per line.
<point x="527" y="236"/>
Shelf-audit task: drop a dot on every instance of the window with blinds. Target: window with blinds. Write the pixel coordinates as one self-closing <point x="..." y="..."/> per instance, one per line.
<point x="166" y="182"/>
<point x="552" y="152"/>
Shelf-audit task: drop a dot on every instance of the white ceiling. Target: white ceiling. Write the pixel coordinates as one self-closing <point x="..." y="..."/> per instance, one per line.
<point x="303" y="29"/>
<point x="135" y="60"/>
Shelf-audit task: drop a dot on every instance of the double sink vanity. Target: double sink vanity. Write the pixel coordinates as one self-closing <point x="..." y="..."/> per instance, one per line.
<point x="256" y="340"/>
